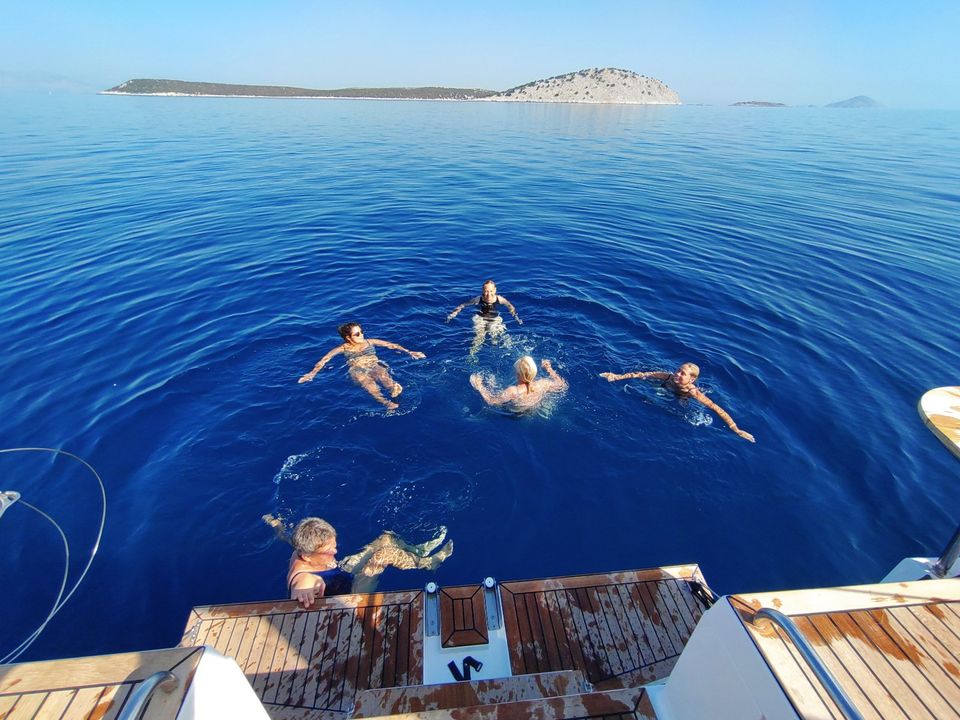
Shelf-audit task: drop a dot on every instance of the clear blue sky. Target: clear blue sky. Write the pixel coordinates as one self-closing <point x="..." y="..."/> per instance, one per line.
<point x="904" y="54"/>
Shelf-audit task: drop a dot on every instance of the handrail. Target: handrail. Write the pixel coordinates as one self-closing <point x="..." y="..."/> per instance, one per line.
<point x="816" y="664"/>
<point x="948" y="558"/>
<point x="133" y="710"/>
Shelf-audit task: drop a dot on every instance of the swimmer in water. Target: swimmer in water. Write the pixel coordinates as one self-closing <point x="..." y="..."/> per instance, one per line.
<point x="364" y="367"/>
<point x="314" y="571"/>
<point x="487" y="321"/>
<point x="682" y="383"/>
<point x="529" y="392"/>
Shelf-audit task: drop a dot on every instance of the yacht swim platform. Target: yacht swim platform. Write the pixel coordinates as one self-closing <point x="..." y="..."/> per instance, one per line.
<point x="631" y="645"/>
<point x="369" y="655"/>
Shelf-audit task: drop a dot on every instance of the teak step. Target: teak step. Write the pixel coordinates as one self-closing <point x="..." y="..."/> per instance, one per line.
<point x="422" y="698"/>
<point x="628" y="704"/>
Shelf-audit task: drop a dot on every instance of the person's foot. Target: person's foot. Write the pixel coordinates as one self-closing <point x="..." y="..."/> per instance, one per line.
<point x="397" y="389"/>
<point x="390" y="405"/>
<point x="430" y="545"/>
<point x="440" y="555"/>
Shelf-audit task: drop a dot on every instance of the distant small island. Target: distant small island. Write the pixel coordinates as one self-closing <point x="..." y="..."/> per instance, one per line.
<point x="860" y="101"/>
<point x="595" y="85"/>
<point x="757" y="103"/>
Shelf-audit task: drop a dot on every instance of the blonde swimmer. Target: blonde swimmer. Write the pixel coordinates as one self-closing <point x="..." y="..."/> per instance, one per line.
<point x="681" y="382"/>
<point x="528" y="392"/>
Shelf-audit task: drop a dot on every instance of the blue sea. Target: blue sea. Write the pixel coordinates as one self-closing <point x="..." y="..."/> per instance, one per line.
<point x="169" y="267"/>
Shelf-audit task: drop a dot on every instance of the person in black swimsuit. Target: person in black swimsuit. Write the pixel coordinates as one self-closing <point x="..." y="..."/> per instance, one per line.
<point x="487" y="321"/>
<point x="682" y="382"/>
<point x="314" y="571"/>
<point x="364" y="367"/>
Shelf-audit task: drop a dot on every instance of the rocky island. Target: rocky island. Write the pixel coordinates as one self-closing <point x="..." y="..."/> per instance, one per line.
<point x="595" y="85"/>
<point x="860" y="101"/>
<point x="757" y="103"/>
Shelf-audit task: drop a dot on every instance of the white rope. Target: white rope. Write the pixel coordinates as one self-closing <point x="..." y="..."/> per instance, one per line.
<point x="61" y="600"/>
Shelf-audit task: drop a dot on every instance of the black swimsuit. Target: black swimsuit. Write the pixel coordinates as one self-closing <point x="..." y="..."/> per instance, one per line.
<point x="336" y="581"/>
<point x="488" y="310"/>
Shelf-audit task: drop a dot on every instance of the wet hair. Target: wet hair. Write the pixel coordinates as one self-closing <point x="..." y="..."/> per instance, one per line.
<point x="488" y="282"/>
<point x="694" y="369"/>
<point x="310" y="534"/>
<point x="346" y="328"/>
<point x="526" y="369"/>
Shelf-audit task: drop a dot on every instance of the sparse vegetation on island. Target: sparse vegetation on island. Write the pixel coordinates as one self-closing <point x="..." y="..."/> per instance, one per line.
<point x="757" y="103"/>
<point x="595" y="85"/>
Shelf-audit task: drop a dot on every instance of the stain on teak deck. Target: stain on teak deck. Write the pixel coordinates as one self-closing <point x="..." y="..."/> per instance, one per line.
<point x="311" y="663"/>
<point x="894" y="649"/>
<point x="618" y="630"/>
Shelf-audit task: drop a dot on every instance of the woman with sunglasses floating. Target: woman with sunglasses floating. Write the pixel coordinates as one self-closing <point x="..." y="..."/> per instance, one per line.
<point x="363" y="365"/>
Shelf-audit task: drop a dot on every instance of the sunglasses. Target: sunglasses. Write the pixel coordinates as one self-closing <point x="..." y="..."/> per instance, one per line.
<point x="356" y="333"/>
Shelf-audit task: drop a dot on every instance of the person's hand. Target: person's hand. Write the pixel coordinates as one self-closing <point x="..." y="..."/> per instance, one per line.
<point x="519" y="321"/>
<point x="476" y="381"/>
<point x="545" y="364"/>
<point x="745" y="435"/>
<point x="610" y="376"/>
<point x="307" y="378"/>
<point x="416" y="355"/>
<point x="450" y="317"/>
<point x="307" y="595"/>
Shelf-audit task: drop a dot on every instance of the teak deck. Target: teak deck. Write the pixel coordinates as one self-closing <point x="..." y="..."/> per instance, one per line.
<point x="894" y="649"/>
<point x="93" y="688"/>
<point x="619" y="630"/>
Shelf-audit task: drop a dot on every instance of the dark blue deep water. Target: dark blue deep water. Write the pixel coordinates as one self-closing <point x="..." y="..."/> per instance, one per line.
<point x="169" y="267"/>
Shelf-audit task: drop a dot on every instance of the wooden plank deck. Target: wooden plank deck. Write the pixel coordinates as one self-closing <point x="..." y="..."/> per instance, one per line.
<point x="894" y="649"/>
<point x="424" y="698"/>
<point x="311" y="663"/>
<point x="96" y="687"/>
<point x="622" y="704"/>
<point x="619" y="629"/>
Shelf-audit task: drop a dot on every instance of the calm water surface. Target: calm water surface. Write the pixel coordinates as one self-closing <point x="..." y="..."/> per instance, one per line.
<point x="169" y="267"/>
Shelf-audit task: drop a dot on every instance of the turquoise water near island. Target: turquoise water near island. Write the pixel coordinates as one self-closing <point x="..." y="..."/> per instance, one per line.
<point x="171" y="266"/>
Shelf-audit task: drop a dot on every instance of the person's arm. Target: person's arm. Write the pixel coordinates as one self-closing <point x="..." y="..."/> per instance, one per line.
<point x="721" y="413"/>
<point x="655" y="374"/>
<point x="319" y="366"/>
<point x="558" y="382"/>
<point x="399" y="348"/>
<point x="305" y="587"/>
<point x="511" y="308"/>
<point x="471" y="301"/>
<point x="476" y="380"/>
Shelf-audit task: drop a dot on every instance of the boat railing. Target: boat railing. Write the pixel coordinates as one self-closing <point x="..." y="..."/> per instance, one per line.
<point x="133" y="710"/>
<point x="948" y="558"/>
<point x="824" y="675"/>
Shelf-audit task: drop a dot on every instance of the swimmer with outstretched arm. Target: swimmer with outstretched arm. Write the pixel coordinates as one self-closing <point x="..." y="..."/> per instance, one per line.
<point x="487" y="320"/>
<point x="528" y="392"/>
<point x="364" y="367"/>
<point x="682" y="383"/>
<point x="314" y="571"/>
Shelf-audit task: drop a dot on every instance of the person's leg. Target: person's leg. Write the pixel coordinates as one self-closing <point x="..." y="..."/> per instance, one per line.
<point x="364" y="380"/>
<point x="383" y="376"/>
<point x="388" y="550"/>
<point x="497" y="330"/>
<point x="479" y="334"/>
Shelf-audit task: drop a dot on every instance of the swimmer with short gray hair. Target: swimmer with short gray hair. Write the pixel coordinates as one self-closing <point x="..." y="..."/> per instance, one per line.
<point x="314" y="571"/>
<point x="529" y="392"/>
